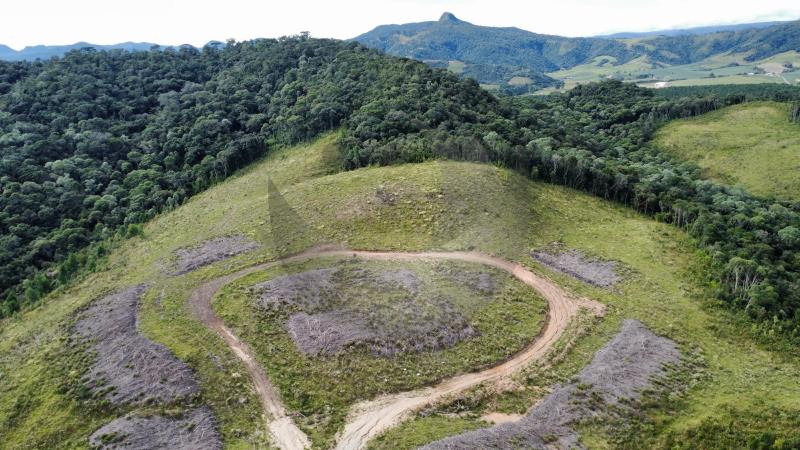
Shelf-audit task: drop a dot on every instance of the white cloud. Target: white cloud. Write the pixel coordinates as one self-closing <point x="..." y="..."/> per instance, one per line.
<point x="196" y="22"/>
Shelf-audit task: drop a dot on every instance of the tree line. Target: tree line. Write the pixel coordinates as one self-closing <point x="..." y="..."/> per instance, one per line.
<point x="95" y="143"/>
<point x="597" y="138"/>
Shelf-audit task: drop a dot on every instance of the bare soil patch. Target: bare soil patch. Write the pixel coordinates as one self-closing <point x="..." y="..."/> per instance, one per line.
<point x="574" y="263"/>
<point x="195" y="430"/>
<point x="128" y="367"/>
<point x="619" y="371"/>
<point x="211" y="251"/>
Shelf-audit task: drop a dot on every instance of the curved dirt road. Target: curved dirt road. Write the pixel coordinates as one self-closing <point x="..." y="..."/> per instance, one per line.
<point x="370" y="418"/>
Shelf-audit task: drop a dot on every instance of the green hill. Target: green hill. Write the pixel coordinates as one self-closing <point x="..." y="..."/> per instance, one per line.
<point x="740" y="55"/>
<point x="514" y="52"/>
<point x="435" y="205"/>
<point x="753" y="145"/>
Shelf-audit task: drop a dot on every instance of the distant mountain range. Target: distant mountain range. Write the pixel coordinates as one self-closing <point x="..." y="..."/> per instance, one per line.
<point x="34" y="52"/>
<point x="48" y="51"/>
<point x="517" y="59"/>
<point x="690" y="31"/>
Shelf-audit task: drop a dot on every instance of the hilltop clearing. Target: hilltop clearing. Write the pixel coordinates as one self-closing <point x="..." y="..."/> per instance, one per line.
<point x="435" y="206"/>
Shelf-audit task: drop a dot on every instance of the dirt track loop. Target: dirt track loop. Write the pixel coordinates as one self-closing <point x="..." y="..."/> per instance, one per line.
<point x="370" y="418"/>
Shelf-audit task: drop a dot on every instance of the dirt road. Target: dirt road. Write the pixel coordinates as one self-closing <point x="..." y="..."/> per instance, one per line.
<point x="370" y="418"/>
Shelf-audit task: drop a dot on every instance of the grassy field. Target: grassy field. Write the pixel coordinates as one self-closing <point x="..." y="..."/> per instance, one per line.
<point x="436" y="205"/>
<point x="726" y="69"/>
<point x="753" y="145"/>
<point x="506" y="321"/>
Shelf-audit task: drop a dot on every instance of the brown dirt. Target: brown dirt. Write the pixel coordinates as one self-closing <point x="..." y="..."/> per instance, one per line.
<point x="498" y="418"/>
<point x="196" y="430"/>
<point x="620" y="370"/>
<point x="211" y="251"/>
<point x="375" y="416"/>
<point x="128" y="367"/>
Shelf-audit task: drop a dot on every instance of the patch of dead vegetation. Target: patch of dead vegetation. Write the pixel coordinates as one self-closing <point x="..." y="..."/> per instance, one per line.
<point x="211" y="251"/>
<point x="332" y="332"/>
<point x="194" y="430"/>
<point x="481" y="282"/>
<point x="327" y="322"/>
<point x="617" y="375"/>
<point x="128" y="367"/>
<point x="403" y="277"/>
<point x="574" y="263"/>
<point x="310" y="290"/>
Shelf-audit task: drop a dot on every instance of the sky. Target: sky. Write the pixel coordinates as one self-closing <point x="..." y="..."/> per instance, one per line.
<point x="173" y="22"/>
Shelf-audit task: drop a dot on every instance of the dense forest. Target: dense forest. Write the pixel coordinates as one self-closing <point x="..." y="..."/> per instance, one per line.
<point x="734" y="93"/>
<point x="96" y="142"/>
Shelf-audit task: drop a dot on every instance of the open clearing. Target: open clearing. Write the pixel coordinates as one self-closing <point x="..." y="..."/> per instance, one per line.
<point x="129" y="368"/>
<point x="753" y="145"/>
<point x="574" y="263"/>
<point x="619" y="372"/>
<point x="195" y="430"/>
<point x="720" y="69"/>
<point x="389" y="309"/>
<point x="436" y="206"/>
<point x="375" y="416"/>
<point x="211" y="251"/>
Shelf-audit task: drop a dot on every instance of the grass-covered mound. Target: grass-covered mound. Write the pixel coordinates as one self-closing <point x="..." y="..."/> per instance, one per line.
<point x="331" y="332"/>
<point x="436" y="205"/>
<point x="754" y="145"/>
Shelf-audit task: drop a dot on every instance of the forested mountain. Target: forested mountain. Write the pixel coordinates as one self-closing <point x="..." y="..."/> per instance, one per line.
<point x="689" y="31"/>
<point x="34" y="52"/>
<point x="519" y="53"/>
<point x="100" y="140"/>
<point x="97" y="142"/>
<point x="756" y="43"/>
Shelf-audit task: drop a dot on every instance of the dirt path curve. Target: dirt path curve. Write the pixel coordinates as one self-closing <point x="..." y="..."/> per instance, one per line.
<point x="370" y="418"/>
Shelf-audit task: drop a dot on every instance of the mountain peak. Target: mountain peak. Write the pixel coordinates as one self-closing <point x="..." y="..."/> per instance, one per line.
<point x="449" y="18"/>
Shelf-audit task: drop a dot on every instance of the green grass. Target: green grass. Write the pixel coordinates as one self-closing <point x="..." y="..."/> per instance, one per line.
<point x="752" y="145"/>
<point x="743" y="378"/>
<point x="438" y="205"/>
<point x="322" y="388"/>
<point x="646" y="73"/>
<point x="424" y="430"/>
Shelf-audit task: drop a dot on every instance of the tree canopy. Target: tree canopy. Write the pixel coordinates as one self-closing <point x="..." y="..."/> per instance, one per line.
<point x="97" y="142"/>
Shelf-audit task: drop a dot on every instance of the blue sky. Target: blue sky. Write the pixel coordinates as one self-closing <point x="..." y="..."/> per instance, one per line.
<point x="170" y="22"/>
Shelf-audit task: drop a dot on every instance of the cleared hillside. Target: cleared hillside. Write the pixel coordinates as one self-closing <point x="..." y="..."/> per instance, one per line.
<point x="435" y="205"/>
<point x="753" y="145"/>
